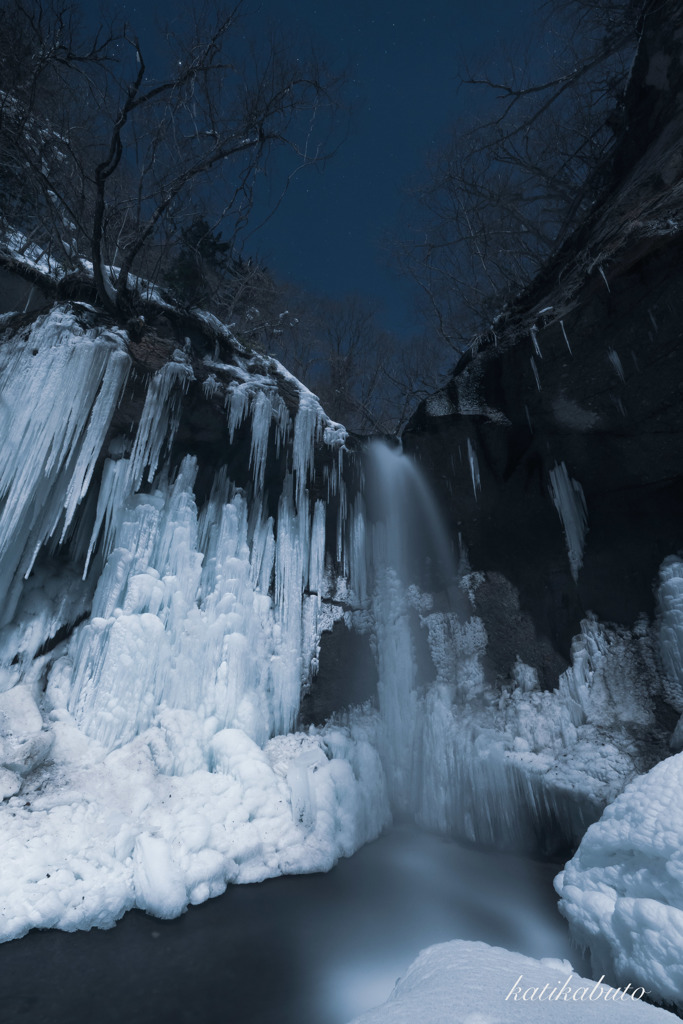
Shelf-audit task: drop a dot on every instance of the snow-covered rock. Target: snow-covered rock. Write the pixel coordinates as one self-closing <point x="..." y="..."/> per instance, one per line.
<point x="622" y="892"/>
<point x="472" y="983"/>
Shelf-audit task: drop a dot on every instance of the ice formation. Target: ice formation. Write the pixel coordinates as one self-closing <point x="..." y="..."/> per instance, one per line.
<point x="614" y="359"/>
<point x="472" y="983"/>
<point x="569" y="500"/>
<point x="622" y="892"/>
<point x="154" y="648"/>
<point x="159" y="763"/>
<point x="474" y="468"/>
<point x="564" y="335"/>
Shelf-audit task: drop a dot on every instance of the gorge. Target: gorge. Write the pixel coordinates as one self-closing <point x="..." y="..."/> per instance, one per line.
<point x="238" y="641"/>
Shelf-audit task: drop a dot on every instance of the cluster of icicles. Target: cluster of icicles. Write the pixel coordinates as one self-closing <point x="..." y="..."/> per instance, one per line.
<point x="218" y="610"/>
<point x="181" y="613"/>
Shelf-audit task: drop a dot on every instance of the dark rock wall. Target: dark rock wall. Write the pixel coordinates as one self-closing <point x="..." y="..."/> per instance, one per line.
<point x="611" y="408"/>
<point x="621" y="439"/>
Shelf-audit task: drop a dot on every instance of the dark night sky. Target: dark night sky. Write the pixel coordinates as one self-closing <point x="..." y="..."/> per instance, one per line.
<point x="403" y="60"/>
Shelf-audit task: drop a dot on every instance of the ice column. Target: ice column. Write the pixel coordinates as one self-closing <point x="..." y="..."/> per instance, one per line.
<point x="569" y="500"/>
<point x="405" y="544"/>
<point x="670" y="608"/>
<point x="157" y="427"/>
<point x="58" y="393"/>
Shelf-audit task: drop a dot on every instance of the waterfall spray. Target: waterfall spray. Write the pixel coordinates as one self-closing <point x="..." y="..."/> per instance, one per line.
<point x="407" y="564"/>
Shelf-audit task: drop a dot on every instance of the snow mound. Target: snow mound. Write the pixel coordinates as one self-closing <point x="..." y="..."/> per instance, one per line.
<point x="472" y="983"/>
<point x="622" y="892"/>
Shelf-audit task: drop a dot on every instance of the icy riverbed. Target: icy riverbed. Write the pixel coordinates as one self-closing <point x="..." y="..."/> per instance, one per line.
<point x="316" y="949"/>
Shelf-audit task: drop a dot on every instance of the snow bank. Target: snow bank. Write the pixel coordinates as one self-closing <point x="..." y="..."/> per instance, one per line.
<point x="622" y="892"/>
<point x="472" y="983"/>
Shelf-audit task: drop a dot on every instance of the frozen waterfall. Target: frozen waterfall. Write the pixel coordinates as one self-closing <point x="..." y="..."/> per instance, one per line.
<point x="496" y="761"/>
<point x="164" y="612"/>
<point x="154" y="645"/>
<point x="404" y="561"/>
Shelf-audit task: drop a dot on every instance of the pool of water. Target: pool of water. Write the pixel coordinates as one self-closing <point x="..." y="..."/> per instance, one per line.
<point x="314" y="949"/>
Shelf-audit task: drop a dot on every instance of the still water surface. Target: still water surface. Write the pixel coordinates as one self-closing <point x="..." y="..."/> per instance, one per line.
<point x="315" y="949"/>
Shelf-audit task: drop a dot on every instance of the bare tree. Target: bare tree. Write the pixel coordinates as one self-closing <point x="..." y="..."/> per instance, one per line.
<point x="366" y="377"/>
<point x="509" y="186"/>
<point x="126" y="156"/>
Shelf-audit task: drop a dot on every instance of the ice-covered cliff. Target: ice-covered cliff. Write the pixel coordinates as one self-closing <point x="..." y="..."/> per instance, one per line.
<point x="161" y="614"/>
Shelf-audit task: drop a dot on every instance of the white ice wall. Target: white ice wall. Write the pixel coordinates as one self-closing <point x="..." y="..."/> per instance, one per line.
<point x="159" y="764"/>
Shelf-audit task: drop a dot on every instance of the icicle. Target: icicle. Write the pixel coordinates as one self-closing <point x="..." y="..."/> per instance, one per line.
<point x="158" y="421"/>
<point x="317" y="555"/>
<point x="210" y="387"/>
<point x="306" y="432"/>
<point x="357" y="555"/>
<point x="237" y="400"/>
<point x="565" y="337"/>
<point x="342" y="512"/>
<point x="605" y="279"/>
<point x="158" y="424"/>
<point x="283" y="423"/>
<point x="262" y="556"/>
<point x="261" y="412"/>
<point x="58" y="393"/>
<point x="569" y="500"/>
<point x="474" y="468"/>
<point x="614" y="359"/>
<point x="112" y="492"/>
<point x="110" y="391"/>
<point x="534" y="338"/>
<point x="289" y="572"/>
<point x="534" y="368"/>
<point x="528" y="418"/>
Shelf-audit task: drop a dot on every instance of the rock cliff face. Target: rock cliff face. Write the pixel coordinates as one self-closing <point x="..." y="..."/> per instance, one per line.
<point x="557" y="445"/>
